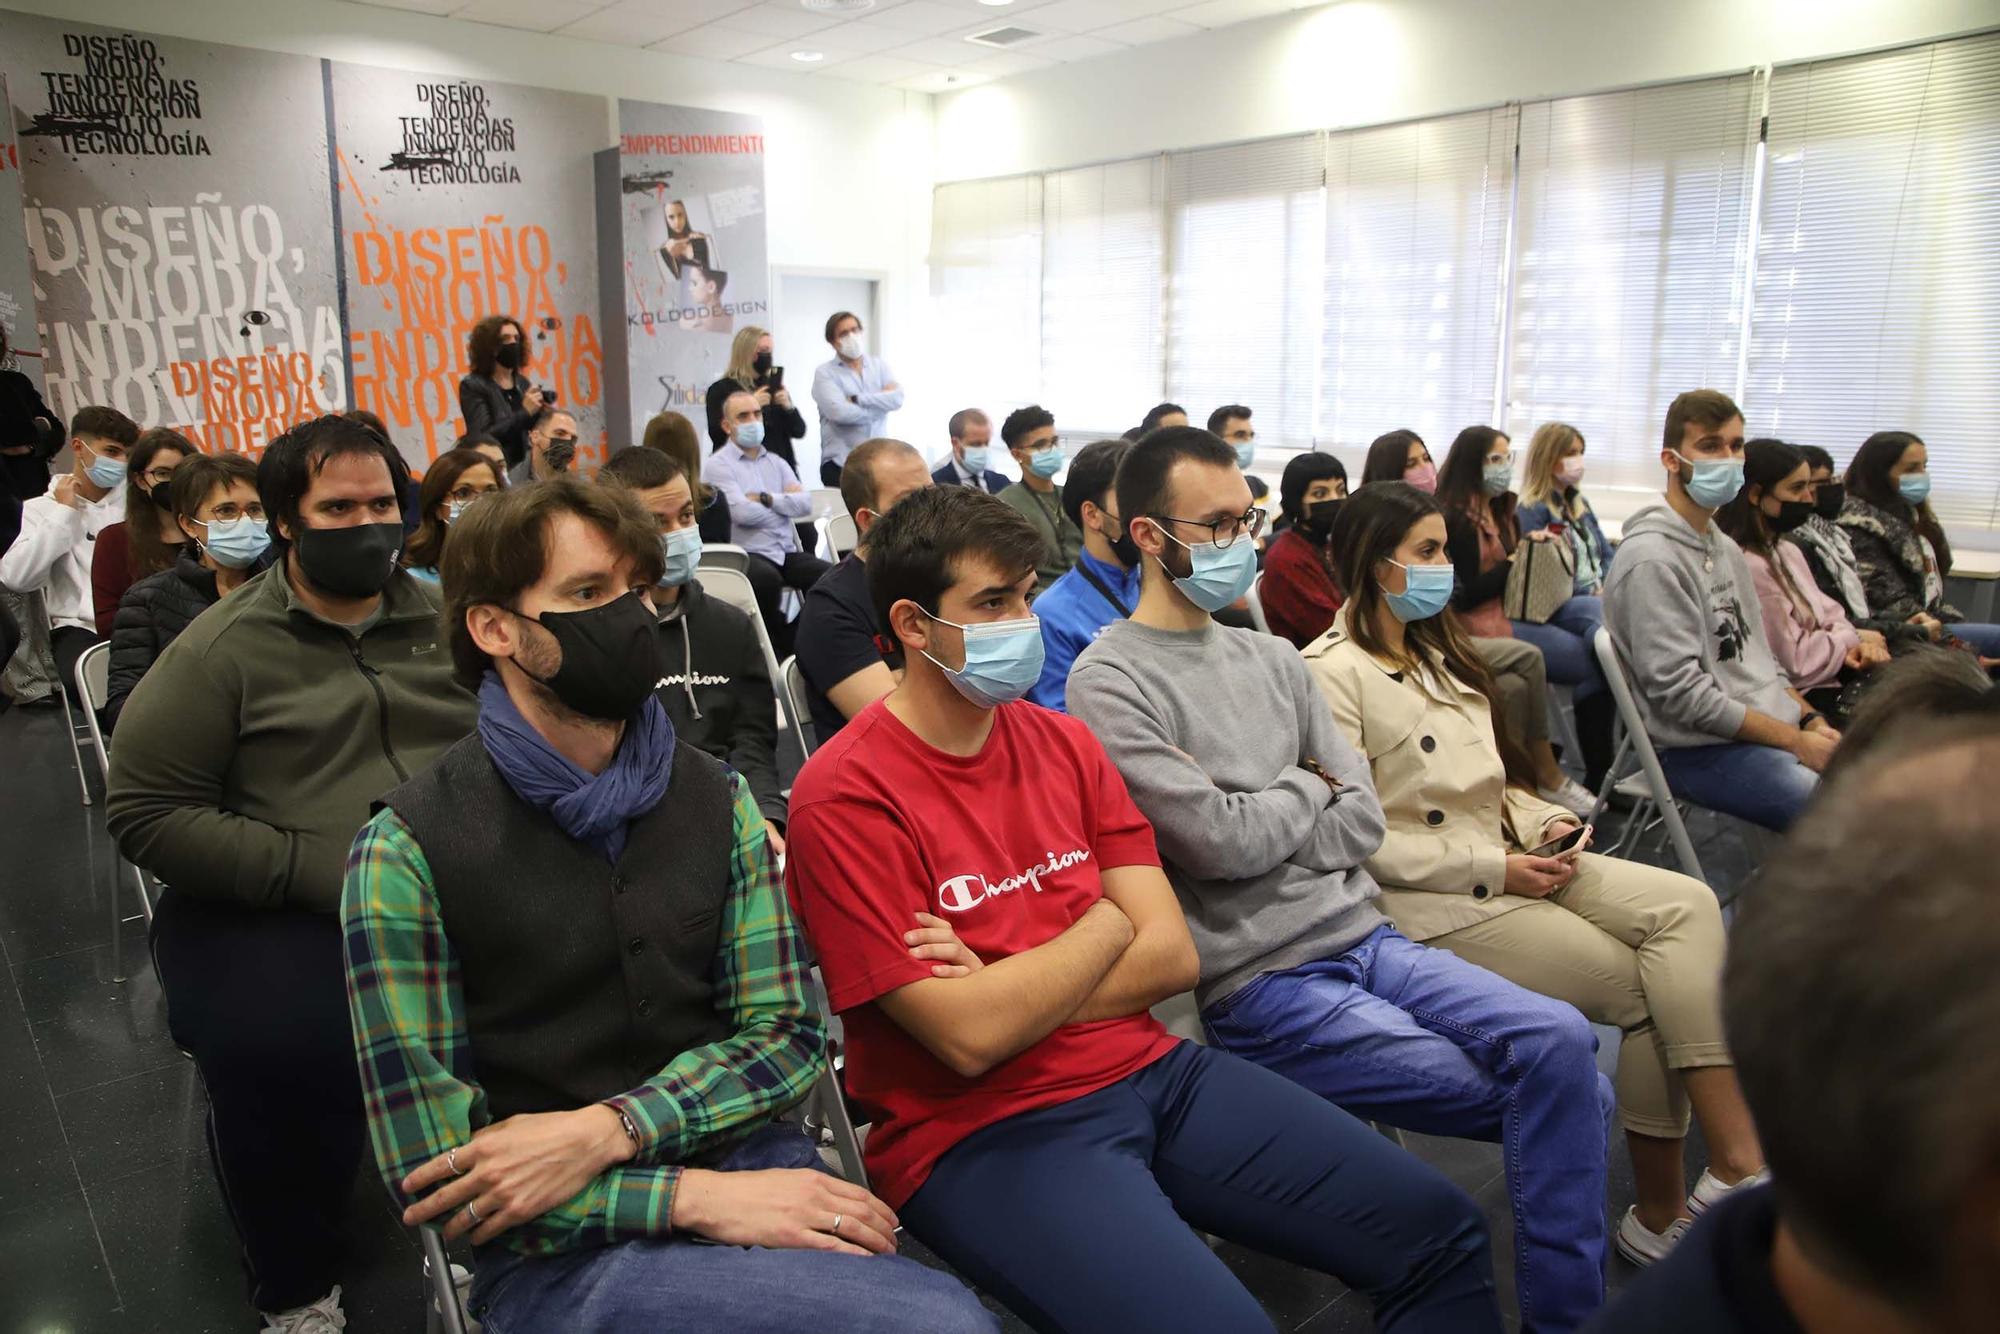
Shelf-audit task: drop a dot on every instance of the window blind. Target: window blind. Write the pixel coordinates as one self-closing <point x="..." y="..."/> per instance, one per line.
<point x="1243" y="314"/>
<point x="1631" y="231"/>
<point x="985" y="281"/>
<point x="1102" y="283"/>
<point x="1878" y="266"/>
<point x="1416" y="228"/>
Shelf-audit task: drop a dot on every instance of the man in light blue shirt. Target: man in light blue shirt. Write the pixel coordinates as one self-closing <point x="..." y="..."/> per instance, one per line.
<point x="855" y="393"/>
<point x="765" y="504"/>
<point x="1102" y="587"/>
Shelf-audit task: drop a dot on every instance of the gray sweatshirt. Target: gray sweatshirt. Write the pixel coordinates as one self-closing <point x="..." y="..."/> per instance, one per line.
<point x="1683" y="612"/>
<point x="1211" y="730"/>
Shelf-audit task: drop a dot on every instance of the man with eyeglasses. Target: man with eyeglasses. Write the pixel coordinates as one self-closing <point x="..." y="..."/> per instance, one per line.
<point x="1265" y="815"/>
<point x="1030" y="436"/>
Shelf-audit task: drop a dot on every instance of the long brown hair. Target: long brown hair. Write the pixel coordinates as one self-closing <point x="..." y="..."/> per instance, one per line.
<point x="147" y="552"/>
<point x="673" y="435"/>
<point x="482" y="346"/>
<point x="1868" y="478"/>
<point x="1766" y="463"/>
<point x="426" y="545"/>
<point x="1371" y="525"/>
<point x="1460" y="482"/>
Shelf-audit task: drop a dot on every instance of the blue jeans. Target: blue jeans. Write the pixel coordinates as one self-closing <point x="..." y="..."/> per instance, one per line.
<point x="1566" y="644"/>
<point x="1419" y="1038"/>
<point x="676" y="1283"/>
<point x="1985" y="638"/>
<point x="1761" y="784"/>
<point x="1080" y="1216"/>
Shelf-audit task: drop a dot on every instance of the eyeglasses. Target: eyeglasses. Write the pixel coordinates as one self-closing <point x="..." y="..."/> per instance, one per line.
<point x="155" y="476"/>
<point x="229" y="511"/>
<point x="468" y="492"/>
<point x="1223" y="532"/>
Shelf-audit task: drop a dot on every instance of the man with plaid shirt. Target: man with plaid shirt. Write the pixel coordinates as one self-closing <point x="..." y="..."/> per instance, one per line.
<point x="578" y="999"/>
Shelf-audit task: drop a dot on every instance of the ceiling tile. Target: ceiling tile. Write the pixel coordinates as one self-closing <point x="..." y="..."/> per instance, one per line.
<point x="715" y="43"/>
<point x="535" y="15"/>
<point x="944" y="81"/>
<point x="1222" y="13"/>
<point x="642" y="22"/>
<point x="1077" y="48"/>
<point x="420" y="6"/>
<point x="864" y="38"/>
<point x="881" y="69"/>
<point x="780" y="57"/>
<point x="1138" y="32"/>
<point x="1079" y="15"/>
<point x="938" y="51"/>
<point x="1141" y="8"/>
<point x="1004" y="63"/>
<point x="778" y="20"/>
<point x="923" y="17"/>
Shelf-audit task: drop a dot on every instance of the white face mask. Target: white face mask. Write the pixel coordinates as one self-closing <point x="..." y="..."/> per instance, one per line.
<point x="849" y="346"/>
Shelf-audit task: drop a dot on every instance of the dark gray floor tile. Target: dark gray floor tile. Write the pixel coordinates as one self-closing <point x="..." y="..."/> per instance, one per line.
<point x="171" y="1246"/>
<point x="52" y="1274"/>
<point x="35" y="1165"/>
<point x="1349" y="1315"/>
<point x="1292" y="1294"/>
<point x="134" y="1123"/>
<point x="90" y="1030"/>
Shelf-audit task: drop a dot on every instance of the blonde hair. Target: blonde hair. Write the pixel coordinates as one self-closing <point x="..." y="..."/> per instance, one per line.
<point x="1546" y="449"/>
<point x="743" y="351"/>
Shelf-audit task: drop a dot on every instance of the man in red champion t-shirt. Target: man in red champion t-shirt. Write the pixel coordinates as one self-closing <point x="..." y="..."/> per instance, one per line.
<point x="989" y="911"/>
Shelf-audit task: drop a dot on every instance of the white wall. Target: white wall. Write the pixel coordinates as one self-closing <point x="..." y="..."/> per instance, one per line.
<point x="847" y="166"/>
<point x="1370" y="62"/>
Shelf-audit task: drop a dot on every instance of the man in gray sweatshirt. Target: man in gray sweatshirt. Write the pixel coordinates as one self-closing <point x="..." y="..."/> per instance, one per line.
<point x="1681" y="607"/>
<point x="1264" y="815"/>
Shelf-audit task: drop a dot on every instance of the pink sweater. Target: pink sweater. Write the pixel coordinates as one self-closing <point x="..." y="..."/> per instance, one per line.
<point x="1810" y="642"/>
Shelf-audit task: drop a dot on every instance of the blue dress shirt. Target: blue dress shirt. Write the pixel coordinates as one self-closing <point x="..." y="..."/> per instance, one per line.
<point x="768" y="531"/>
<point x="852" y="407"/>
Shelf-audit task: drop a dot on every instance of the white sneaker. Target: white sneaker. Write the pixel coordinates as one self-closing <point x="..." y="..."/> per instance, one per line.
<point x="1710" y="1191"/>
<point x="1643" y="1246"/>
<point x="1572" y="795"/>
<point x="322" y="1317"/>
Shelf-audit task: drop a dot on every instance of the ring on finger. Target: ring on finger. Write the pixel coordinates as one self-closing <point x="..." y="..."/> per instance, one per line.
<point x="836" y="1224"/>
<point x="451" y="1161"/>
<point x="472" y="1213"/>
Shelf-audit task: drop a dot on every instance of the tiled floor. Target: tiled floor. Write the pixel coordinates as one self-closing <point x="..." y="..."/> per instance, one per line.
<point x="109" y="1219"/>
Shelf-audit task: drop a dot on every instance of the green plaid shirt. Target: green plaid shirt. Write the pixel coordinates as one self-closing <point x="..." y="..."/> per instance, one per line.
<point x="416" y="1059"/>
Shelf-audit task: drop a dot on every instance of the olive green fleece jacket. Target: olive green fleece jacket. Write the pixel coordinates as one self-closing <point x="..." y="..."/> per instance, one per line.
<point x="247" y="758"/>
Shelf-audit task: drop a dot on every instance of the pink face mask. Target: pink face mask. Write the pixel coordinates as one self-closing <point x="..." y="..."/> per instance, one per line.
<point x="1424" y="477"/>
<point x="1570" y="471"/>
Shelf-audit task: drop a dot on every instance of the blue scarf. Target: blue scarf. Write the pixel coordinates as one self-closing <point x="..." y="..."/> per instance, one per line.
<point x="593" y="809"/>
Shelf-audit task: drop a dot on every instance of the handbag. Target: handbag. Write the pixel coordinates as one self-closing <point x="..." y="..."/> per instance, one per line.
<point x="1542" y="578"/>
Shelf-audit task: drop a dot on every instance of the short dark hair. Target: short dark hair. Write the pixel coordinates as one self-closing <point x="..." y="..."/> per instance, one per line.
<point x="963" y="418"/>
<point x="474" y="439"/>
<point x="914" y="550"/>
<point x="290" y="463"/>
<point x="1023" y="420"/>
<point x="857" y="476"/>
<point x="1860" y="999"/>
<point x="1703" y="407"/>
<point x="371" y="421"/>
<point x="833" y="322"/>
<point x="1092" y="473"/>
<point x="482" y="345"/>
<point x="501" y="548"/>
<point x="196" y="478"/>
<point x="1143" y="475"/>
<point x="1219" y="420"/>
<point x="1151" y="421"/>
<point x="1817" y="458"/>
<point x="104" y="424"/>
<point x="1301" y="471"/>
<point x="1389" y="456"/>
<point x="640" y="468"/>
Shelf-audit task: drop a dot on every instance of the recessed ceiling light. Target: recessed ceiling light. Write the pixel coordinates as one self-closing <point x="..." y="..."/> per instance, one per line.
<point x="996" y="3"/>
<point x="846" y="6"/>
<point x="808" y="57"/>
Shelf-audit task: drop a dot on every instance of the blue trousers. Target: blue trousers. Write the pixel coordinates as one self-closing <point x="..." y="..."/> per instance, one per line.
<point x="1079" y="1216"/>
<point x="677" y="1283"/>
<point x="1566" y="644"/>
<point x="1983" y="637"/>
<point x="1761" y="784"/>
<point x="1418" y="1038"/>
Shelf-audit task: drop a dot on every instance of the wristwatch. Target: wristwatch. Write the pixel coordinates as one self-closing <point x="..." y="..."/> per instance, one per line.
<point x="1810" y="717"/>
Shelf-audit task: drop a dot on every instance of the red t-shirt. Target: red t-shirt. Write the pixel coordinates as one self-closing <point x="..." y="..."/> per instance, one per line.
<point x="1007" y="846"/>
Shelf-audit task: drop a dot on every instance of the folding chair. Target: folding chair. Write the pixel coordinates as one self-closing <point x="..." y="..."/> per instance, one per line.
<point x="793" y="682"/>
<point x="77" y="733"/>
<point x="841" y="534"/>
<point x="444" y="1308"/>
<point x="725" y="556"/>
<point x="733" y="586"/>
<point x="92" y="686"/>
<point x="1562" y="721"/>
<point x="1652" y="800"/>
<point x="1256" y="601"/>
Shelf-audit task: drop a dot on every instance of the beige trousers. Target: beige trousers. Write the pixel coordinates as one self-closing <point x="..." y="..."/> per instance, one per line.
<point x="1632" y="946"/>
<point x="1522" y="678"/>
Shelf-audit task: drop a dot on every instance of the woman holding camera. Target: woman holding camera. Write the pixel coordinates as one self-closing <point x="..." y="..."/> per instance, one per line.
<point x="496" y="395"/>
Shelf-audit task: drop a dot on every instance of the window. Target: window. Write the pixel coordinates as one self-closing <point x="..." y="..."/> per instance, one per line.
<point x="1416" y="230"/>
<point x="1877" y="306"/>
<point x="1102" y="287"/>
<point x="1243" y="316"/>
<point x="1630" y="241"/>
<point x="986" y="262"/>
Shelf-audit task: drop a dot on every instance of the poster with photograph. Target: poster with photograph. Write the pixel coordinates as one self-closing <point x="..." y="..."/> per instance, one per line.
<point x="458" y="199"/>
<point x="178" y="224"/>
<point x="681" y="218"/>
<point x="17" y="286"/>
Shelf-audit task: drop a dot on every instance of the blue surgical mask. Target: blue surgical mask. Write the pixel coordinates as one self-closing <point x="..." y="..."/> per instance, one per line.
<point x="457" y="510"/>
<point x="104" y="472"/>
<point x="975" y="460"/>
<point x="1714" y="482"/>
<point x="1497" y="479"/>
<point x="682" y="549"/>
<point x="1046" y="463"/>
<point x="1217" y="576"/>
<point x="1915" y="486"/>
<point x="1246" y="454"/>
<point x="236" y="544"/>
<point x="750" y="434"/>
<point x="1003" y="660"/>
<point x="1426" y="591"/>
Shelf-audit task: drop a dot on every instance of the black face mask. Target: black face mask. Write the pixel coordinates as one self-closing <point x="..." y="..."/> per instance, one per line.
<point x="510" y="356"/>
<point x="1791" y="513"/>
<point x="1832" y="495"/>
<point x="761" y="363"/>
<point x="349" y="562"/>
<point x="1317" y="525"/>
<point x="610" y="657"/>
<point x="162" y="494"/>
<point x="560" y="454"/>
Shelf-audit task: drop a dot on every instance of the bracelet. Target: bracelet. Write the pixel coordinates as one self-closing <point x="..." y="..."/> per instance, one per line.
<point x="1810" y="718"/>
<point x="626" y="1123"/>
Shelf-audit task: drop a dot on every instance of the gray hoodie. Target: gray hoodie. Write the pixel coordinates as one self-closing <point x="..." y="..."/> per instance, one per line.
<point x="1683" y="611"/>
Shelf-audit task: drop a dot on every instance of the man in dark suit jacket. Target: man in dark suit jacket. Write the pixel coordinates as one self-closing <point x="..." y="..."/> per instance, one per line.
<point x="971" y="433"/>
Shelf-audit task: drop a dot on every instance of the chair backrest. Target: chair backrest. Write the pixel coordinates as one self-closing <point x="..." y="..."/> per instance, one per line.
<point x="841" y="534"/>
<point x="793" y="682"/>
<point x="725" y="555"/>
<point x="1180" y="1016"/>
<point x="826" y="501"/>
<point x="93" y="686"/>
<point x="1642" y="747"/>
<point x="733" y="586"/>
<point x="1256" y="603"/>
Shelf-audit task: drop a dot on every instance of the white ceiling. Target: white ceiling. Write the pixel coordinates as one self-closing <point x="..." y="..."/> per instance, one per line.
<point x="915" y="44"/>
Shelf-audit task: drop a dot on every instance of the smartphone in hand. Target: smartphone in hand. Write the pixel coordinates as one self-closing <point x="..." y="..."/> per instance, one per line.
<point x="1564" y="845"/>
